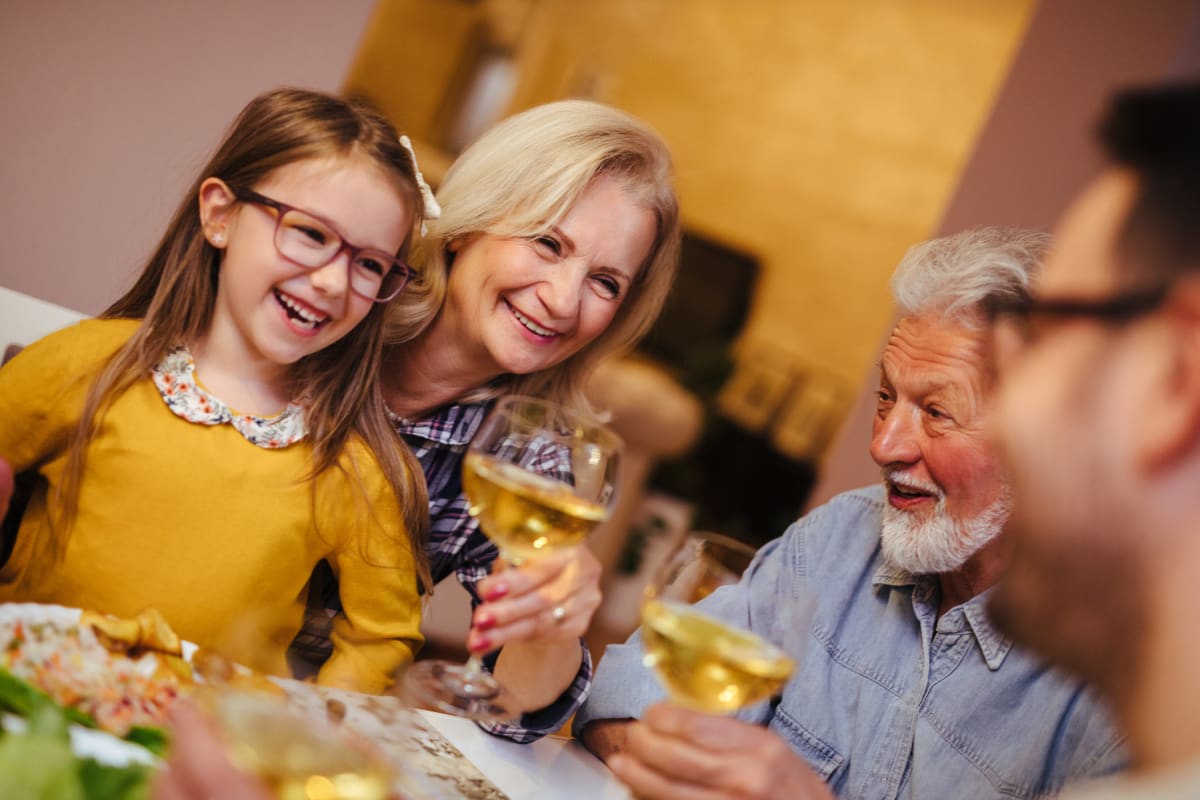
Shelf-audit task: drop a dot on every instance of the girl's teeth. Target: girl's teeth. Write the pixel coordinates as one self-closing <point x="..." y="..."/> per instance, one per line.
<point x="303" y="315"/>
<point x="531" y="325"/>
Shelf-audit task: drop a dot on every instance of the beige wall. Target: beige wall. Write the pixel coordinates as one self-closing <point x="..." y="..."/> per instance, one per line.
<point x="823" y="137"/>
<point x="1037" y="149"/>
<point x="109" y="108"/>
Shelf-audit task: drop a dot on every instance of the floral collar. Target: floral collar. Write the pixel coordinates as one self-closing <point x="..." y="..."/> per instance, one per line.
<point x="176" y="381"/>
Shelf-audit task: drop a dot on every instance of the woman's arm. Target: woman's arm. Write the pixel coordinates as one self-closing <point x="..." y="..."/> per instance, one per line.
<point x="541" y="654"/>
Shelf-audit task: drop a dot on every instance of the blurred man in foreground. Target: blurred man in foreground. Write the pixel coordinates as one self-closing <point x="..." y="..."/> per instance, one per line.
<point x="1100" y="419"/>
<point x="904" y="688"/>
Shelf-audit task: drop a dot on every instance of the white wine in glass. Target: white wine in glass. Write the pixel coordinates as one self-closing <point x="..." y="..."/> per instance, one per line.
<point x="539" y="479"/>
<point x="295" y="758"/>
<point x="524" y="513"/>
<point x="704" y="663"/>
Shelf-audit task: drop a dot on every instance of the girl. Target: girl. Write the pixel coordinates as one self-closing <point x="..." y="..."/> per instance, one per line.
<point x="558" y="245"/>
<point x="220" y="430"/>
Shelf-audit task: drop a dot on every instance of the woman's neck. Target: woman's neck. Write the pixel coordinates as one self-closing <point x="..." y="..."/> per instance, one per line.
<point x="431" y="371"/>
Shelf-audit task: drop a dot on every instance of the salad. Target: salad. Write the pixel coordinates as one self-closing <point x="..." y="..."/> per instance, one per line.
<point x="67" y="688"/>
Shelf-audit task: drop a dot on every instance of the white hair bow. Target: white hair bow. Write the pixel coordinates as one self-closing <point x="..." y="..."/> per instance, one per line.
<point x="432" y="209"/>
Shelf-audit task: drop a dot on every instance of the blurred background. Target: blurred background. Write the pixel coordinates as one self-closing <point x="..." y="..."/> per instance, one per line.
<point x="814" y="142"/>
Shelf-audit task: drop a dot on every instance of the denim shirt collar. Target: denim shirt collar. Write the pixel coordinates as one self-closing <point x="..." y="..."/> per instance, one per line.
<point x="994" y="645"/>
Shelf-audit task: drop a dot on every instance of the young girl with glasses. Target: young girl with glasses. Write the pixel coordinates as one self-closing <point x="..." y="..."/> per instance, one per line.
<point x="220" y="430"/>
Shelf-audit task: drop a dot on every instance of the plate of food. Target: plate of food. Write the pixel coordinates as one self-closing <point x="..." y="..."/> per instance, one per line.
<point x="83" y="700"/>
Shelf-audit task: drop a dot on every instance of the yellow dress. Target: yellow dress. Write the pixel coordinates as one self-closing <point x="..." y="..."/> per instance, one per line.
<point x="217" y="533"/>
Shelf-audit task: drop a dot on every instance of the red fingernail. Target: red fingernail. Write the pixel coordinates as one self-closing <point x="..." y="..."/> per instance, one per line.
<point x="484" y="621"/>
<point x="481" y="643"/>
<point x="497" y="591"/>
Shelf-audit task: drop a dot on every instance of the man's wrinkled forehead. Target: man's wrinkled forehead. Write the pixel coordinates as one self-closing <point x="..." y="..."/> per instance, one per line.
<point x="929" y="351"/>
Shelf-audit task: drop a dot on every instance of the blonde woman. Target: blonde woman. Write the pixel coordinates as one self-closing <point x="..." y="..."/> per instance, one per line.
<point x="557" y="245"/>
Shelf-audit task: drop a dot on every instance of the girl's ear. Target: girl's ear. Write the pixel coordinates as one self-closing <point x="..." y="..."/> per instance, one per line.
<point x="216" y="208"/>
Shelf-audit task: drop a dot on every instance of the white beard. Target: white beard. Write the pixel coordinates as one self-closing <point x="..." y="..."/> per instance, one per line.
<point x="937" y="543"/>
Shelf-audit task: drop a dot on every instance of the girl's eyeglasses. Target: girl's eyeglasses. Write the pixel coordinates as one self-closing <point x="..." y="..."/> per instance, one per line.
<point x="311" y="242"/>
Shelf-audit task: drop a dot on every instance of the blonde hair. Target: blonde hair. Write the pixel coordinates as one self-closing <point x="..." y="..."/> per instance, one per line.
<point x="521" y="178"/>
<point x="175" y="294"/>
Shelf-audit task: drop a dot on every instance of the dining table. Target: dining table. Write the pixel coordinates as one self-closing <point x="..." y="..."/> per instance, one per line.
<point x="436" y="755"/>
<point x="553" y="766"/>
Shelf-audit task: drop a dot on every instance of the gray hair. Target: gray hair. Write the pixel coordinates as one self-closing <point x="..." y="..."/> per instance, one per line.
<point x="959" y="276"/>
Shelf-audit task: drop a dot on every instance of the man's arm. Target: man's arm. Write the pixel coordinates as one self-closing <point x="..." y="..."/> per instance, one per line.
<point x="606" y="737"/>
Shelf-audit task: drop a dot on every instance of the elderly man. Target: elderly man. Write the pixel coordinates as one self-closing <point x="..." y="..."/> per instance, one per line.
<point x="1100" y="419"/>
<point x="904" y="688"/>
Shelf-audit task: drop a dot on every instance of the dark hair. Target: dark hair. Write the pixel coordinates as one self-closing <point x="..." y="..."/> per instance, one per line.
<point x="176" y="291"/>
<point x="1155" y="133"/>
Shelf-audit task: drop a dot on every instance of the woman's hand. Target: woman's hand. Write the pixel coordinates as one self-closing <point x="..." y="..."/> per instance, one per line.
<point x="537" y="612"/>
<point x="546" y="600"/>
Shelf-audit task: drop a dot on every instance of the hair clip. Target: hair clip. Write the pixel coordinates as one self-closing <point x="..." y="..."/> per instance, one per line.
<point x="432" y="209"/>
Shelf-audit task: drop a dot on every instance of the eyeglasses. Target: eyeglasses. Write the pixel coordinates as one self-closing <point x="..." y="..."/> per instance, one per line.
<point x="311" y="242"/>
<point x="1030" y="318"/>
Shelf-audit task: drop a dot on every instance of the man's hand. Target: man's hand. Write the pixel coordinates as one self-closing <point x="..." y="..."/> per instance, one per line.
<point x="676" y="753"/>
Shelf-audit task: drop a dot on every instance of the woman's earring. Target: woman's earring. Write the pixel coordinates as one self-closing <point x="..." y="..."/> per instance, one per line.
<point x="218" y="239"/>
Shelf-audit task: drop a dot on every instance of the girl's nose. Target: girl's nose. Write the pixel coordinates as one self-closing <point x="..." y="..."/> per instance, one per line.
<point x="334" y="278"/>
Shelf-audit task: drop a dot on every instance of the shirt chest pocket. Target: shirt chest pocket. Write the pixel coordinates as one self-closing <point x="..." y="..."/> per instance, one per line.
<point x="821" y="756"/>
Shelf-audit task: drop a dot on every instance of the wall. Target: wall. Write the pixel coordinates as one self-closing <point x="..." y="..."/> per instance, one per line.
<point x="822" y="137"/>
<point x="1037" y="149"/>
<point x="110" y="108"/>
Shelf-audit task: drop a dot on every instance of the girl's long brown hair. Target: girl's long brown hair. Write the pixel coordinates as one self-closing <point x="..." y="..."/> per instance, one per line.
<point x="175" y="294"/>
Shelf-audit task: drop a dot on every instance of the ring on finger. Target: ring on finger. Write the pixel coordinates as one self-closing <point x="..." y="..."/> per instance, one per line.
<point x="558" y="614"/>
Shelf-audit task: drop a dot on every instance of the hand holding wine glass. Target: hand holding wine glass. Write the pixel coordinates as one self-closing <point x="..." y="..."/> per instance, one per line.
<point x="539" y="480"/>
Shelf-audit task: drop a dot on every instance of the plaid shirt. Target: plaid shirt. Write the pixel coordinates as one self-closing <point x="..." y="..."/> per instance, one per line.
<point x="455" y="545"/>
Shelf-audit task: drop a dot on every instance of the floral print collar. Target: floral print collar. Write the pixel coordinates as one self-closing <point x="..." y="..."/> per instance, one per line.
<point x="176" y="381"/>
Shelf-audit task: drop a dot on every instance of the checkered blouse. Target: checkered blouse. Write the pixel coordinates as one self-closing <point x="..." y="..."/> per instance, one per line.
<point x="456" y="545"/>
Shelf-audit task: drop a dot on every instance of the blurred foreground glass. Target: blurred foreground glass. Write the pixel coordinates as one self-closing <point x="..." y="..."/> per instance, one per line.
<point x="704" y="663"/>
<point x="295" y="757"/>
<point x="539" y="479"/>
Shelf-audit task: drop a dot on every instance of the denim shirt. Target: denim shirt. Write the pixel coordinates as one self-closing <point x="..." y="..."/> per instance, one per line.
<point x="888" y="700"/>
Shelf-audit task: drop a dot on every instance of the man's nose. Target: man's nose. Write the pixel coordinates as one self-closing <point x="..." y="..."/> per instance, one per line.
<point x="897" y="437"/>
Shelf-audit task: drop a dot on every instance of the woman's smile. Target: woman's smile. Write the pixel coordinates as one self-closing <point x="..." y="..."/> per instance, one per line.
<point x="531" y="325"/>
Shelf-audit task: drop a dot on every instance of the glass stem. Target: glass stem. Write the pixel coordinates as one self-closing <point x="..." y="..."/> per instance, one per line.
<point x="474" y="665"/>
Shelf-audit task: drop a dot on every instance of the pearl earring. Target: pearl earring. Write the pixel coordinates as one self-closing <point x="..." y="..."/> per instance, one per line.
<point x="218" y="238"/>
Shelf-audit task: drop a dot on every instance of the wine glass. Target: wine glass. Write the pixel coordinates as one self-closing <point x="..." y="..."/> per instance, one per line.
<point x="539" y="479"/>
<point x="293" y="756"/>
<point x="704" y="663"/>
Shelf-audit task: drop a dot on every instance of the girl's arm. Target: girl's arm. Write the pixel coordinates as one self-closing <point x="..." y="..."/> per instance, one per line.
<point x="378" y="631"/>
